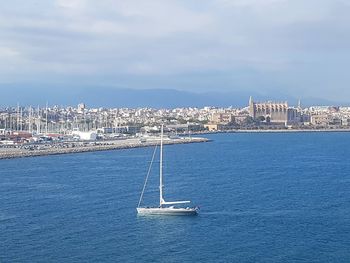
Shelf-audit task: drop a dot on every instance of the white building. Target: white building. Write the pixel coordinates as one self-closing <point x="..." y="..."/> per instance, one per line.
<point x="85" y="136"/>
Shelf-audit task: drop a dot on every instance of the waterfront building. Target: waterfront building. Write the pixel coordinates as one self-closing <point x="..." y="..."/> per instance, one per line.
<point x="85" y="136"/>
<point x="184" y="127"/>
<point x="222" y="118"/>
<point x="214" y="127"/>
<point x="276" y="112"/>
<point x="345" y="122"/>
<point x="269" y="111"/>
<point x="110" y="130"/>
<point x="320" y="120"/>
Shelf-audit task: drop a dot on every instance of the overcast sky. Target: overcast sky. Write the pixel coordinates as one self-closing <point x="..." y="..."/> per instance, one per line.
<point x="295" y="47"/>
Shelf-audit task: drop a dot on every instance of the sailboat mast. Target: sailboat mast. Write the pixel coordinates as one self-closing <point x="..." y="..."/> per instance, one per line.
<point x="161" y="168"/>
<point x="47" y="122"/>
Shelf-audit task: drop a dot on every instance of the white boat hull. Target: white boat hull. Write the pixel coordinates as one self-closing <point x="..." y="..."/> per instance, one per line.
<point x="166" y="211"/>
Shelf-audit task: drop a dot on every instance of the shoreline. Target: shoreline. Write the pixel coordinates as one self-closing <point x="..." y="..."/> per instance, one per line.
<point x="13" y="153"/>
<point x="273" y="131"/>
<point x="20" y="153"/>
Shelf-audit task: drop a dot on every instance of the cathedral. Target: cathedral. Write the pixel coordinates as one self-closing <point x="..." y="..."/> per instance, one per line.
<point x="270" y="111"/>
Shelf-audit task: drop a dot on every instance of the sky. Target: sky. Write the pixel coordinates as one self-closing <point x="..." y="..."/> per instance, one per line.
<point x="298" y="48"/>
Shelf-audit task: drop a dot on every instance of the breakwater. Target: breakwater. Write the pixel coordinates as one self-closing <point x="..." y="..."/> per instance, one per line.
<point x="9" y="153"/>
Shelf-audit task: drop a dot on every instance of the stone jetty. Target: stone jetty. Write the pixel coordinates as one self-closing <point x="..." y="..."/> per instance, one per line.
<point x="66" y="148"/>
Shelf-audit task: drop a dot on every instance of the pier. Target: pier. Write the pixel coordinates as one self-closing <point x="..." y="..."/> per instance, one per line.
<point x="80" y="147"/>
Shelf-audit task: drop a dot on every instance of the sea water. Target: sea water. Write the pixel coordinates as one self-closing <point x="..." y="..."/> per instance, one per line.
<point x="267" y="197"/>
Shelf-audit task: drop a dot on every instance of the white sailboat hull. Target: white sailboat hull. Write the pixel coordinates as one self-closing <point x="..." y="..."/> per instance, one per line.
<point x="166" y="211"/>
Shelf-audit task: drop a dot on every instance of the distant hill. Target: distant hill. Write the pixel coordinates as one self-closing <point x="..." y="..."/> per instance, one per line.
<point x="116" y="97"/>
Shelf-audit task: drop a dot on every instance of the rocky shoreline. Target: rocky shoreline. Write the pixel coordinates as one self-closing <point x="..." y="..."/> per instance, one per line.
<point x="21" y="153"/>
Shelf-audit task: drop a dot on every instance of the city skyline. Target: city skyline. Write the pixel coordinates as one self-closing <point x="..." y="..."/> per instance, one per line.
<point x="266" y="115"/>
<point x="289" y="48"/>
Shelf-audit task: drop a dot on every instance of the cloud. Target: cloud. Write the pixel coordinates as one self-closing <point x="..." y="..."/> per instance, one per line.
<point x="251" y="3"/>
<point x="239" y="40"/>
<point x="6" y="52"/>
<point x="71" y="4"/>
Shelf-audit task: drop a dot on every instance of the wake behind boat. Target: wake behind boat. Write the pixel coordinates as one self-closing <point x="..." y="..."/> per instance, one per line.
<point x="165" y="208"/>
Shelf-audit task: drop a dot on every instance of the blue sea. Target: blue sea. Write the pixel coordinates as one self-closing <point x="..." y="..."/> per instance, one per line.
<point x="281" y="197"/>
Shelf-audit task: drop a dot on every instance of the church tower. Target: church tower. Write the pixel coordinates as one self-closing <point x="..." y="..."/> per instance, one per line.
<point x="251" y="107"/>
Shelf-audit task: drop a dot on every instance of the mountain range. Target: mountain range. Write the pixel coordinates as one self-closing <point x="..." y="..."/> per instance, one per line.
<point x="121" y="97"/>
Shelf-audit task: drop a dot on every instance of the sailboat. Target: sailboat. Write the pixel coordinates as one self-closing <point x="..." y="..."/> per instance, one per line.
<point x="164" y="208"/>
